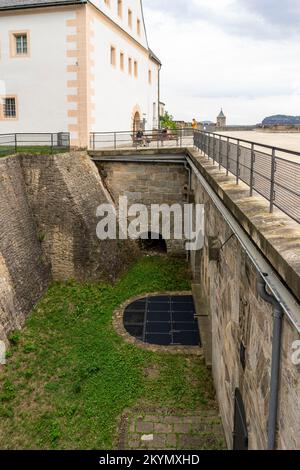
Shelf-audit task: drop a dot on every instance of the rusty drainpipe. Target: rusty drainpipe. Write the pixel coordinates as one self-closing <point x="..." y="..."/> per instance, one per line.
<point x="275" y="367"/>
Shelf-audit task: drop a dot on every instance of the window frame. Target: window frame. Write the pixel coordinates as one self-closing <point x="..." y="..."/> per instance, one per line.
<point x="130" y="68"/>
<point x="13" y="44"/>
<point x="120" y="8"/>
<point x="3" y="117"/>
<point x="135" y="68"/>
<point x="130" y="18"/>
<point x="113" y="56"/>
<point x="122" y="61"/>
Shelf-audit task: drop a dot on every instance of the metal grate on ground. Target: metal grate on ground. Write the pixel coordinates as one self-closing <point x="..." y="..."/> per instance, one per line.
<point x="163" y="320"/>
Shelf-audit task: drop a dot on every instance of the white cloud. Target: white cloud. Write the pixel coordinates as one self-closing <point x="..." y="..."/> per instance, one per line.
<point x="222" y="54"/>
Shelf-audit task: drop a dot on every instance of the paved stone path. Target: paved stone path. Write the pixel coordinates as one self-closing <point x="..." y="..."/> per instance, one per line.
<point x="201" y="430"/>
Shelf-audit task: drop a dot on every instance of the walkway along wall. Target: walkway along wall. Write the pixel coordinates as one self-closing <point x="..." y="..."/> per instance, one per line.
<point x="241" y="322"/>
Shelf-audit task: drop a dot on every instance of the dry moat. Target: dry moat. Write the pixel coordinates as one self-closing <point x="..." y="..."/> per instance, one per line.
<point x="72" y="382"/>
<point x="80" y="374"/>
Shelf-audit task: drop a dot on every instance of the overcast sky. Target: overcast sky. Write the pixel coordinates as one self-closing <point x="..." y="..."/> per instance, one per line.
<point x="243" y="55"/>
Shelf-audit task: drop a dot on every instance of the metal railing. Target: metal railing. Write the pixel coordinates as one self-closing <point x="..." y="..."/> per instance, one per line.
<point x="28" y="142"/>
<point x="126" y="140"/>
<point x="272" y="172"/>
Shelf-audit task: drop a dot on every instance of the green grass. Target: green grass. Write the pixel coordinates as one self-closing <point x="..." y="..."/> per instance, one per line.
<point x="33" y="150"/>
<point x="70" y="376"/>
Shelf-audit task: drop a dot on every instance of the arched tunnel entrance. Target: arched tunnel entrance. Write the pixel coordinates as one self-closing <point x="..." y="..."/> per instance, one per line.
<point x="153" y="242"/>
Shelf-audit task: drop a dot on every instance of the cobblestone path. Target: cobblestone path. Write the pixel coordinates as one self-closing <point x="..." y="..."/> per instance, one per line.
<point x="201" y="430"/>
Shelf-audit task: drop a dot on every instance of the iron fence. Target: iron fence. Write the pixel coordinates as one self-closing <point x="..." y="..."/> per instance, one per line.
<point x="37" y="142"/>
<point x="272" y="172"/>
<point x="126" y="140"/>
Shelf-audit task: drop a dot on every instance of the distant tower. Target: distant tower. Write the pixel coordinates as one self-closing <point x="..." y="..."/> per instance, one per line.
<point x="221" y="119"/>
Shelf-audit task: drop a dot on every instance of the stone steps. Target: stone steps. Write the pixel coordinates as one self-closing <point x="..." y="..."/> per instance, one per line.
<point x="200" y="430"/>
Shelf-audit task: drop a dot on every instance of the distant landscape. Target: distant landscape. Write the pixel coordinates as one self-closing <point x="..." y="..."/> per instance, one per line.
<point x="281" y="120"/>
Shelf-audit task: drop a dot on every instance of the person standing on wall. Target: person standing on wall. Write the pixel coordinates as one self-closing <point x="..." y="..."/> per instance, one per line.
<point x="194" y="124"/>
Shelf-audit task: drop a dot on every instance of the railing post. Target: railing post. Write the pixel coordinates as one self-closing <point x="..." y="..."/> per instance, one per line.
<point x="207" y="144"/>
<point x="252" y="170"/>
<point x="238" y="162"/>
<point x="214" y="149"/>
<point x="16" y="143"/>
<point x="94" y="141"/>
<point x="272" y="189"/>
<point x="228" y="151"/>
<point x="181" y="130"/>
<point x="115" y="140"/>
<point x="52" y="143"/>
<point x="220" y="153"/>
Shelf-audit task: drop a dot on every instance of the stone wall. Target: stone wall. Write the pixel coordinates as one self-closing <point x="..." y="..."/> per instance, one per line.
<point x="24" y="274"/>
<point x="238" y="315"/>
<point x="48" y="230"/>
<point x="64" y="193"/>
<point x="226" y="290"/>
<point x="147" y="183"/>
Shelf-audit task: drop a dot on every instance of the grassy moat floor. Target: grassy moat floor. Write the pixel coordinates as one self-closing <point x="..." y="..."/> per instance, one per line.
<point x="70" y="377"/>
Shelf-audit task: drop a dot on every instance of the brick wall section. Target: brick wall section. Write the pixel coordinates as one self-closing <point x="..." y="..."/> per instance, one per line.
<point x="238" y="314"/>
<point x="48" y="230"/>
<point x="147" y="183"/>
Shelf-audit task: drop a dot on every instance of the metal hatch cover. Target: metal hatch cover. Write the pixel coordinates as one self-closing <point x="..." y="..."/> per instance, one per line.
<point x="163" y="320"/>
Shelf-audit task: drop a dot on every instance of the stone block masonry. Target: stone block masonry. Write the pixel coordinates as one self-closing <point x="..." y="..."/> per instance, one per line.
<point x="239" y="317"/>
<point x="148" y="183"/>
<point x="201" y="430"/>
<point x="48" y="230"/>
<point x="64" y="193"/>
<point x="24" y="273"/>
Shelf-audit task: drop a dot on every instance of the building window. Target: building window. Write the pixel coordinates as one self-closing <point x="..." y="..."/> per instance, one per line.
<point x="19" y="44"/>
<point x="130" y="66"/>
<point x="120" y="8"/>
<point x="138" y="26"/>
<point x="130" y="18"/>
<point x="107" y="2"/>
<point x="136" y="69"/>
<point x="121" y="61"/>
<point x="9" y="108"/>
<point x="113" y="56"/>
<point x="150" y="76"/>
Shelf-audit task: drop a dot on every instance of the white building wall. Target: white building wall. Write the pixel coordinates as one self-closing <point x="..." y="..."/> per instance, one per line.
<point x="40" y="80"/>
<point x="117" y="93"/>
<point x="68" y="83"/>
<point x="111" y="9"/>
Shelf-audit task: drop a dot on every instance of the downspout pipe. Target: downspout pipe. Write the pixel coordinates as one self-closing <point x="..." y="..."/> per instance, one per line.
<point x="158" y="97"/>
<point x="189" y="171"/>
<point x="275" y="367"/>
